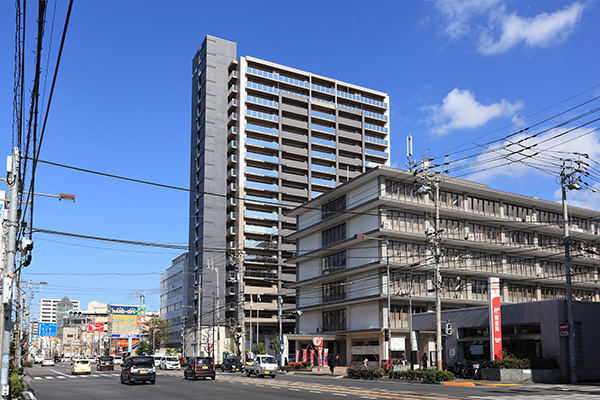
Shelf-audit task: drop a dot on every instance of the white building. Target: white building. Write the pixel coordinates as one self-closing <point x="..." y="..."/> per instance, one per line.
<point x="342" y="285"/>
<point x="48" y="308"/>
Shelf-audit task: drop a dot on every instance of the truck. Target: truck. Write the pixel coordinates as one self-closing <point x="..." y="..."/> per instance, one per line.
<point x="264" y="365"/>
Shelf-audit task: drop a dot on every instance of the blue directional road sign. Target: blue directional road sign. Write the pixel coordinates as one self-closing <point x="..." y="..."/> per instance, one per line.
<point x="46" y="329"/>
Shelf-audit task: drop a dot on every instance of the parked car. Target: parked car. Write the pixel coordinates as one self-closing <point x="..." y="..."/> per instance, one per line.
<point x="232" y="365"/>
<point x="157" y="361"/>
<point x="48" y="362"/>
<point x="200" y="367"/>
<point x="264" y="365"/>
<point x="38" y="359"/>
<point x="118" y="360"/>
<point x="105" y="363"/>
<point x="138" y="368"/>
<point x="82" y="366"/>
<point x="169" y="362"/>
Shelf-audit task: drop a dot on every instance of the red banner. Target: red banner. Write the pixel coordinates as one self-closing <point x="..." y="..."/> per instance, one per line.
<point x="495" y="319"/>
<point x="325" y="357"/>
<point x="95" y="327"/>
<point x="312" y="357"/>
<point x="297" y="355"/>
<point x="304" y="357"/>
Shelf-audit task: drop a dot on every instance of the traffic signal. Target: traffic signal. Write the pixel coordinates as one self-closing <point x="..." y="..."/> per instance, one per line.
<point x="448" y="328"/>
<point x="386" y="335"/>
<point x="74" y="313"/>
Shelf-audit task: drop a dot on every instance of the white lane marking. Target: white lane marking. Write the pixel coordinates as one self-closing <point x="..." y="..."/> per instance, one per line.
<point x="49" y="377"/>
<point x="37" y="377"/>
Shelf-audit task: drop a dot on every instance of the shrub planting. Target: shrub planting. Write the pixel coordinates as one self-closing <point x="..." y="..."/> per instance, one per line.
<point x="426" y="376"/>
<point x="361" y="372"/>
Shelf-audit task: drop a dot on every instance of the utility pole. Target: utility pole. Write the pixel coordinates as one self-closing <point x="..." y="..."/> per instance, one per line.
<point x="568" y="182"/>
<point x="431" y="180"/>
<point x="141" y="295"/>
<point x="9" y="272"/>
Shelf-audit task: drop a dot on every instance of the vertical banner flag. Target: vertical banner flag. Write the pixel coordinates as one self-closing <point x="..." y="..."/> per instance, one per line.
<point x="312" y="357"/>
<point x="325" y="357"/>
<point x="304" y="357"/>
<point x="495" y="319"/>
<point x="297" y="355"/>
<point x="320" y="360"/>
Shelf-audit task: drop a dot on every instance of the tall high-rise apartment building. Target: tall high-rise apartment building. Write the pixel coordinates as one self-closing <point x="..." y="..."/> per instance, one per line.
<point x="265" y="139"/>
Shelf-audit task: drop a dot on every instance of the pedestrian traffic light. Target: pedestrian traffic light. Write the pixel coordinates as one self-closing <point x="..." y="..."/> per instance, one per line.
<point x="386" y="335"/>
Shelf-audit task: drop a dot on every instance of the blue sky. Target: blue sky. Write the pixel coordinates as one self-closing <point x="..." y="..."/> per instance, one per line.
<point x="459" y="74"/>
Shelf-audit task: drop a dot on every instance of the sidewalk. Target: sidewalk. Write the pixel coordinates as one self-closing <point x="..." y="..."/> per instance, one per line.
<point x="588" y="388"/>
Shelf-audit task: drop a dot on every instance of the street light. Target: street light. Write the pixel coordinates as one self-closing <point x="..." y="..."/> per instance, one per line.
<point x="387" y="338"/>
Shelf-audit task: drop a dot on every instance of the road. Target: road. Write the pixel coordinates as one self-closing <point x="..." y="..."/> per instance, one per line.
<point x="56" y="383"/>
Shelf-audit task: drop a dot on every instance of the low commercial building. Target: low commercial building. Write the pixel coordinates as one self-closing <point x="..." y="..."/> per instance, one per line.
<point x="528" y="330"/>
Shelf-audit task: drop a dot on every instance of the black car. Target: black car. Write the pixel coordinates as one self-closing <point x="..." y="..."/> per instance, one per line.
<point x="105" y="363"/>
<point x="232" y="365"/>
<point x="138" y="368"/>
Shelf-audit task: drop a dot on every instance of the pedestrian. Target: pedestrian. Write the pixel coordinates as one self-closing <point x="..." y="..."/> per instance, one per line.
<point x="424" y="359"/>
<point x="331" y="363"/>
<point x="366" y="362"/>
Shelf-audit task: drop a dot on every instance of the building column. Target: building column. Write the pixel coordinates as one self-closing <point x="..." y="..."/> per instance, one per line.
<point x="348" y="351"/>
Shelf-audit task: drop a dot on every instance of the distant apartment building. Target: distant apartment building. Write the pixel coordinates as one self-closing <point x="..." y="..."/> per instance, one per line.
<point x="266" y="138"/>
<point x="345" y="236"/>
<point x="50" y="307"/>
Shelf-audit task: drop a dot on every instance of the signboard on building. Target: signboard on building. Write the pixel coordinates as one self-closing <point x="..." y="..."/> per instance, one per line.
<point x="495" y="319"/>
<point x="397" y="344"/>
<point x="46" y="329"/>
<point x="95" y="327"/>
<point x="124" y="319"/>
<point x="124" y="310"/>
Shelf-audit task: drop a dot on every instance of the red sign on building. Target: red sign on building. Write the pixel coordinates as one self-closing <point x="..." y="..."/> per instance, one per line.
<point x="495" y="319"/>
<point x="95" y="327"/>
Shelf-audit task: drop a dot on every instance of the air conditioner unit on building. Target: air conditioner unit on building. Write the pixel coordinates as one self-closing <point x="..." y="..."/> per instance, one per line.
<point x="429" y="231"/>
<point x="385" y="225"/>
<point x="534" y="218"/>
<point x="470" y="237"/>
<point x="527" y="218"/>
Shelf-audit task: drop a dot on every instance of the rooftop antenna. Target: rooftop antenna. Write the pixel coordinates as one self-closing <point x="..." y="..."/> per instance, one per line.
<point x="409" y="153"/>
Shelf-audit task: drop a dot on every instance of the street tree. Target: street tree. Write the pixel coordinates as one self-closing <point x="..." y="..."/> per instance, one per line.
<point x="157" y="332"/>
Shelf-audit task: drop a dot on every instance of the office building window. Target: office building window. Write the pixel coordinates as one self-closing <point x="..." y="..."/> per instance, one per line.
<point x="334" y="291"/>
<point x="334" y="207"/>
<point x="334" y="320"/>
<point x="334" y="262"/>
<point x="333" y="235"/>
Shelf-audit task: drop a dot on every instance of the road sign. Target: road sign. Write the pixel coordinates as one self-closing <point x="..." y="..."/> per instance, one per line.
<point x="563" y="329"/>
<point x="318" y="341"/>
<point x="46" y="329"/>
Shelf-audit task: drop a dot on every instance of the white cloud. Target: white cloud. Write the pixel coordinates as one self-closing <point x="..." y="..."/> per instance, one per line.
<point x="460" y="110"/>
<point x="460" y="13"/>
<point x="502" y="30"/>
<point x="544" y="30"/>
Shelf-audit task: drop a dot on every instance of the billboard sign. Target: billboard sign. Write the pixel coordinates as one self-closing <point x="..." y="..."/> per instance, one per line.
<point x="495" y="319"/>
<point x="124" y="310"/>
<point x="95" y="327"/>
<point x="46" y="329"/>
<point x="124" y="319"/>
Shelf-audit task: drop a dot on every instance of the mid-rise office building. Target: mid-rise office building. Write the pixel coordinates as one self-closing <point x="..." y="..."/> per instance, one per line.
<point x="265" y="139"/>
<point x="347" y="237"/>
<point x="176" y="290"/>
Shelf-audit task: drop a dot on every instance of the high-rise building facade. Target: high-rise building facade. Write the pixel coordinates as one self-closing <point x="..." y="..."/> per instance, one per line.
<point x="265" y="139"/>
